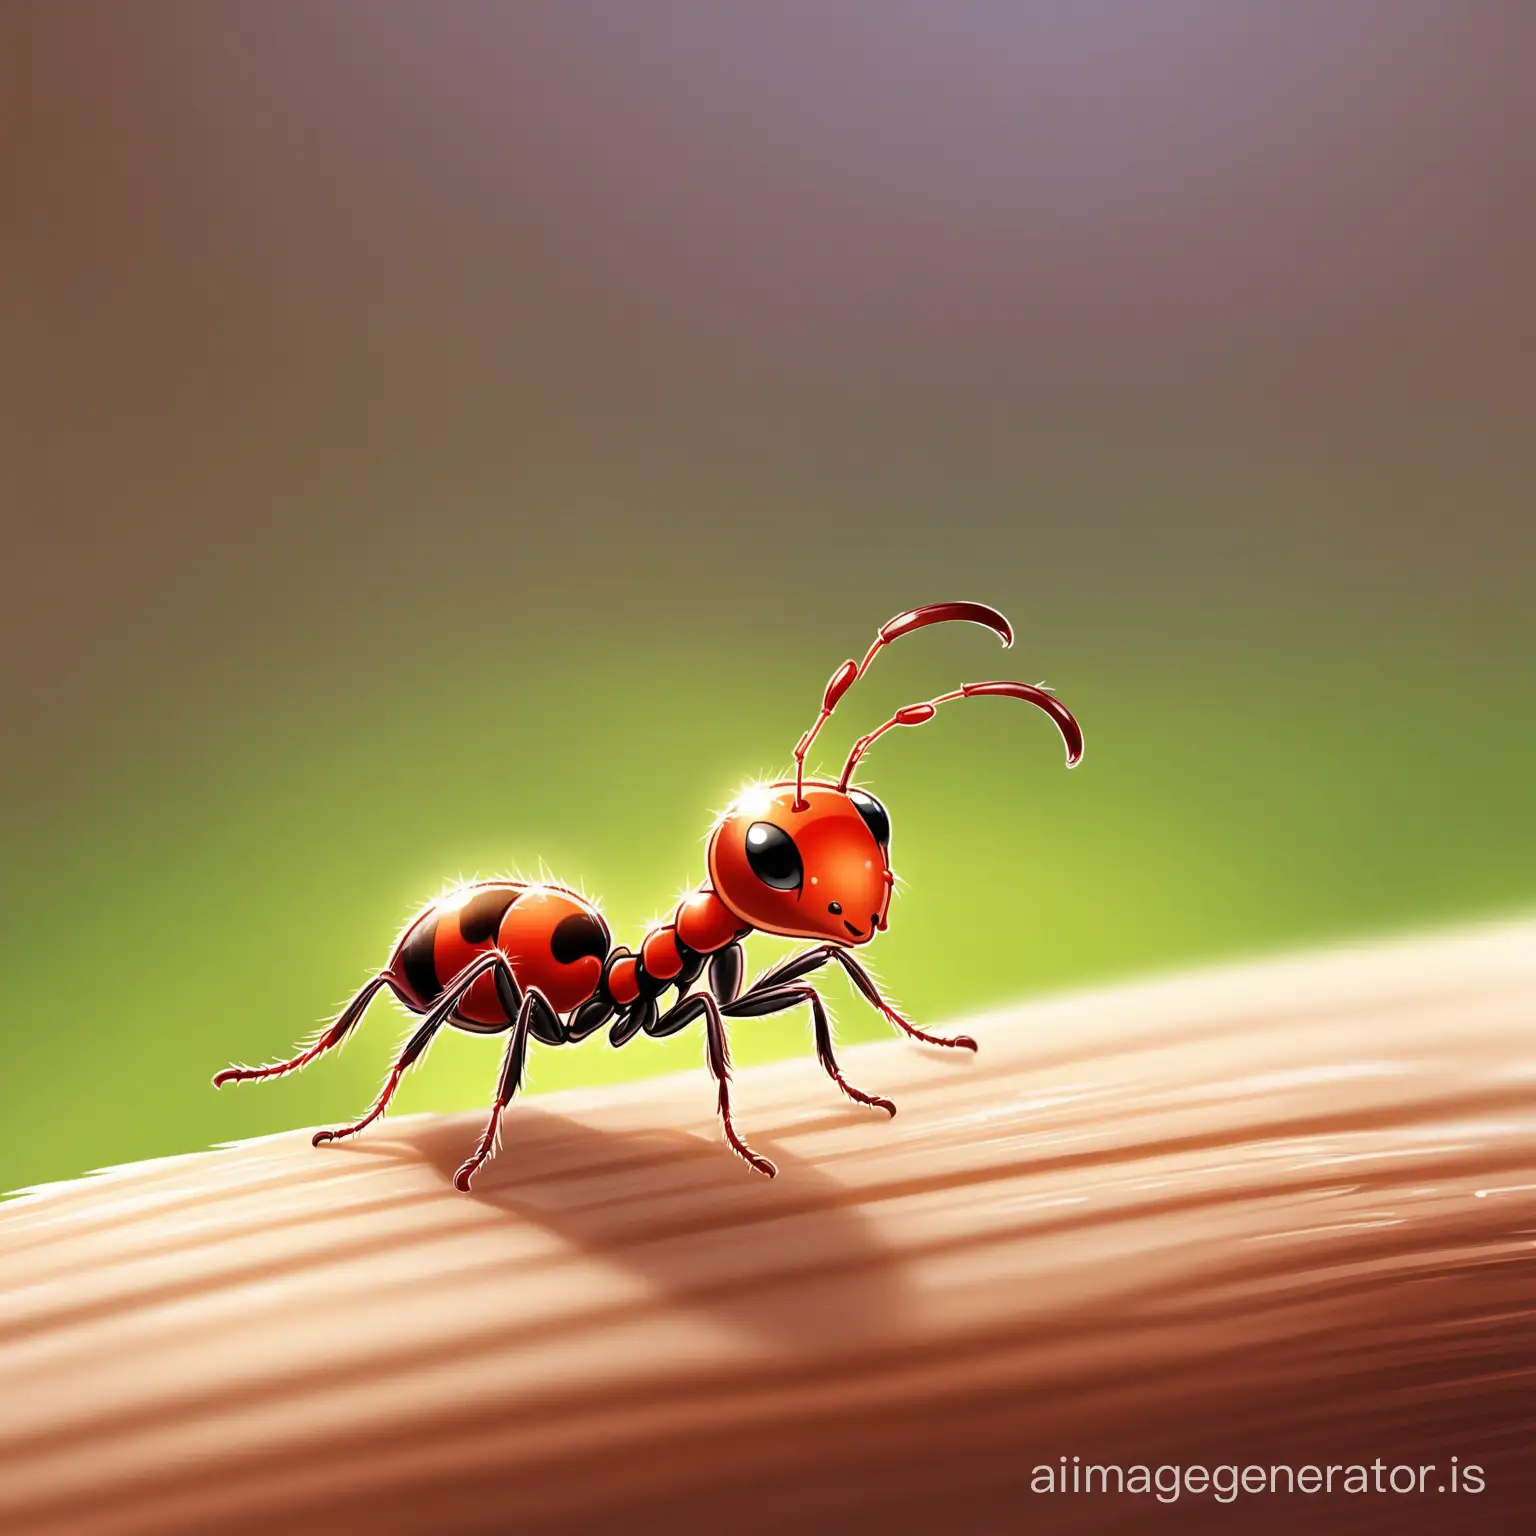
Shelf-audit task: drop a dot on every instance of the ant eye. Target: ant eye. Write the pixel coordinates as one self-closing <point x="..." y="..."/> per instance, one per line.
<point x="773" y="856"/>
<point x="874" y="814"/>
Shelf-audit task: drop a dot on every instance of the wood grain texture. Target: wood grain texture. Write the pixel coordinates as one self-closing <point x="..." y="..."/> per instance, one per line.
<point x="1283" y="1212"/>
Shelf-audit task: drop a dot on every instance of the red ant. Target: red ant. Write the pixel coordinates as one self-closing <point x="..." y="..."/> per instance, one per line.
<point x="803" y="859"/>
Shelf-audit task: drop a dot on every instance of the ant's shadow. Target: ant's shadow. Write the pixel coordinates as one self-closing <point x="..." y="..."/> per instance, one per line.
<point x="796" y="1260"/>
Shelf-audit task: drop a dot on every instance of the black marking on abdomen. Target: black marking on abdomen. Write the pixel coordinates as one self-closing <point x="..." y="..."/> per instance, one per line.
<point x="416" y="958"/>
<point x="578" y="937"/>
<point x="481" y="915"/>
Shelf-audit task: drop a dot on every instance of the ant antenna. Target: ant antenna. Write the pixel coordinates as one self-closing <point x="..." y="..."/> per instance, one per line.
<point x="920" y="714"/>
<point x="903" y="624"/>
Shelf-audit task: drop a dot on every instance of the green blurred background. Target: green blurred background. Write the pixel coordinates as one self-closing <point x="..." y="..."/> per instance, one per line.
<point x="437" y="439"/>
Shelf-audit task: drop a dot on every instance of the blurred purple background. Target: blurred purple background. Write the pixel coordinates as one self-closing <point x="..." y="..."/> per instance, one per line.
<point x="314" y="310"/>
<point x="438" y="437"/>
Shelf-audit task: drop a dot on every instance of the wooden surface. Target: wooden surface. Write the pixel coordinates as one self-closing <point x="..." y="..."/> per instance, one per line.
<point x="1277" y="1213"/>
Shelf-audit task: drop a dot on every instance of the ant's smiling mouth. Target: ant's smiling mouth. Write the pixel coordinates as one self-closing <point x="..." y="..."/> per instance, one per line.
<point x="858" y="933"/>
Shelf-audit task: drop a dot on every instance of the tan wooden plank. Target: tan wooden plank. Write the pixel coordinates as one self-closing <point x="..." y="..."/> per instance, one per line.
<point x="1274" y="1213"/>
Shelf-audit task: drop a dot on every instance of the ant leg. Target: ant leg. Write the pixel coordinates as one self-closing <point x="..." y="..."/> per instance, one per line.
<point x="725" y="968"/>
<point x="693" y="965"/>
<point x="588" y="1019"/>
<point x="863" y="981"/>
<point x="812" y="959"/>
<point x="418" y="1042"/>
<point x="416" y="1045"/>
<point x="792" y="969"/>
<point x="532" y="1013"/>
<point x="631" y="1019"/>
<point x="718" y="1054"/>
<point x="328" y="1039"/>
<point x="761" y="1001"/>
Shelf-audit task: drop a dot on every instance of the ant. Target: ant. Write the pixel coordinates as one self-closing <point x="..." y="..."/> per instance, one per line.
<point x="802" y="858"/>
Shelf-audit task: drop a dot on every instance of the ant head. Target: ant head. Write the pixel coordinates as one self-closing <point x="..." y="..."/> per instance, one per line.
<point x="819" y="870"/>
<point x="811" y="858"/>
